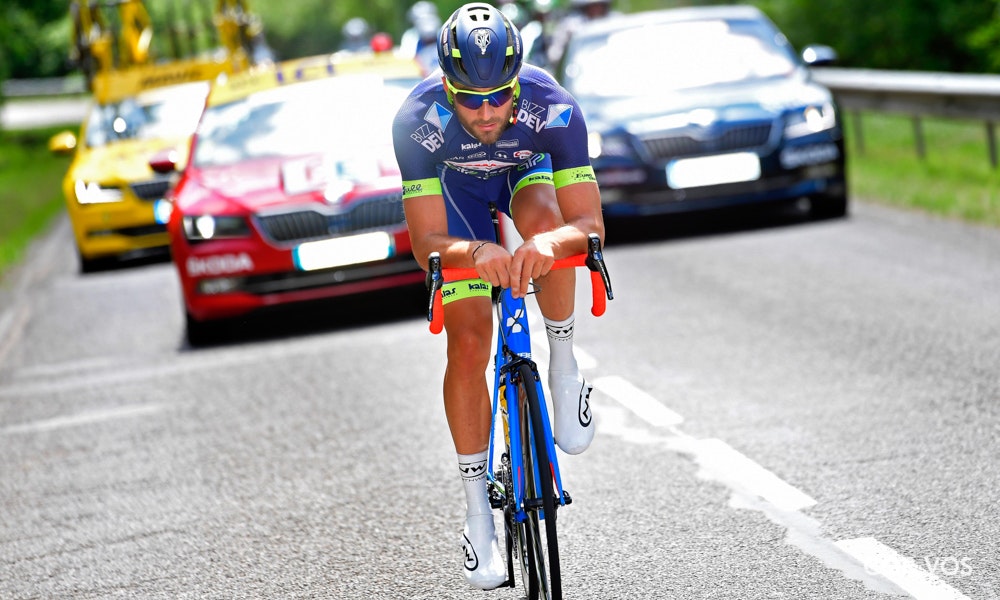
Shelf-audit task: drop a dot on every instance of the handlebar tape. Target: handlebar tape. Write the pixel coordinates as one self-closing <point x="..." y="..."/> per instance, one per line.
<point x="598" y="292"/>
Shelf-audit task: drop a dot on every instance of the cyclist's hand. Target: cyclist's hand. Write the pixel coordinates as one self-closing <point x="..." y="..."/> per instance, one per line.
<point x="493" y="264"/>
<point x="531" y="261"/>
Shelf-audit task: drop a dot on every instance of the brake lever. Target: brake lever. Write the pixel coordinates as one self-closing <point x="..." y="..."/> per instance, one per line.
<point x="595" y="262"/>
<point x="433" y="280"/>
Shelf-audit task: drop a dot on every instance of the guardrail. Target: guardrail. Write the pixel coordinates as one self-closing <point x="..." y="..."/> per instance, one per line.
<point x="43" y="86"/>
<point x="917" y="94"/>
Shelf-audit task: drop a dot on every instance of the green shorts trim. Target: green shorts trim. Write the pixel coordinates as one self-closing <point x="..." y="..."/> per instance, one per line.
<point x="465" y="288"/>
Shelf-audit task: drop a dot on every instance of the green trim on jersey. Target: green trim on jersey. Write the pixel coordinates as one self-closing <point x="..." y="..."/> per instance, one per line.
<point x="465" y="288"/>
<point x="532" y="178"/>
<point x="421" y="187"/>
<point x="575" y="175"/>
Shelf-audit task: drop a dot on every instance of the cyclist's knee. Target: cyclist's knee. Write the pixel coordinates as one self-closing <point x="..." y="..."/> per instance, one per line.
<point x="470" y="332"/>
<point x="469" y="348"/>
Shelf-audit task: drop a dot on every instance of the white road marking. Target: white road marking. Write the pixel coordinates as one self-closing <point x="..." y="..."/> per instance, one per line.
<point x="721" y="462"/>
<point x="883" y="560"/>
<point x="782" y="502"/>
<point x="638" y="401"/>
<point x="83" y="418"/>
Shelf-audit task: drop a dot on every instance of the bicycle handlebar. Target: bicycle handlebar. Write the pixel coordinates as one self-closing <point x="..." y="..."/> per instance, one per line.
<point x="600" y="282"/>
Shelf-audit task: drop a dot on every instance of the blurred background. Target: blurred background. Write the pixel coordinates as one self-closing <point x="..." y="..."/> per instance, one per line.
<point x="934" y="35"/>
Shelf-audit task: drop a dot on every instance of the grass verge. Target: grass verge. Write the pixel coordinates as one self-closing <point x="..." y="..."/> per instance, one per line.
<point x="30" y="189"/>
<point x="953" y="179"/>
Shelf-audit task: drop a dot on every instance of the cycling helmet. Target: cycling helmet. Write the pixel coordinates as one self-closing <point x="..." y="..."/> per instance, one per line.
<point x="479" y="47"/>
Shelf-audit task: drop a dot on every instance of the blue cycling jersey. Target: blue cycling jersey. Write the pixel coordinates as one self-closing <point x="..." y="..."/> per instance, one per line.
<point x="437" y="156"/>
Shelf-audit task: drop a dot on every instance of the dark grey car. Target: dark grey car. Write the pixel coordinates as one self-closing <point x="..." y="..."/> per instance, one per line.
<point x="705" y="107"/>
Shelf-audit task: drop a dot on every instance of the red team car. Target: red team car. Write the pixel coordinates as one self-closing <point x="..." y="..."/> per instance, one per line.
<point x="292" y="192"/>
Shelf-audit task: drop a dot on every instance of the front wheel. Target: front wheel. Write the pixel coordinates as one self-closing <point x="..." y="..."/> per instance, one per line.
<point x="539" y="499"/>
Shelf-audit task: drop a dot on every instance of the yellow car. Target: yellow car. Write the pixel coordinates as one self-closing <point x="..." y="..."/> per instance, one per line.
<point x="114" y="199"/>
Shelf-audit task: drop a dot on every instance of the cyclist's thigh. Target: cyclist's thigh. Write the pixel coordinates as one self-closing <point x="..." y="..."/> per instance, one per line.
<point x="467" y="200"/>
<point x="534" y="206"/>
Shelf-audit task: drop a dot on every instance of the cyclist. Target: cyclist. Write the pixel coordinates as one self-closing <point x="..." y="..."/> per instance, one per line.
<point x="581" y="11"/>
<point x="489" y="128"/>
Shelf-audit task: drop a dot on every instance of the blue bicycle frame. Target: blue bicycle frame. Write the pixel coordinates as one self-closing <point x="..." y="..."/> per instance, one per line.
<point x="514" y="348"/>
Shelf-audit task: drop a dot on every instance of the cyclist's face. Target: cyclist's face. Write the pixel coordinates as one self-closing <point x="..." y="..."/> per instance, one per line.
<point x="486" y="123"/>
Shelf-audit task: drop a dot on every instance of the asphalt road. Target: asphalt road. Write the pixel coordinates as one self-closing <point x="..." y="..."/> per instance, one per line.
<point x="785" y="409"/>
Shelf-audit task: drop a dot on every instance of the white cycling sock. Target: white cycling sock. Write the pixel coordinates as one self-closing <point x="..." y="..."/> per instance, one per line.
<point x="484" y="567"/>
<point x="473" y="470"/>
<point x="560" y="334"/>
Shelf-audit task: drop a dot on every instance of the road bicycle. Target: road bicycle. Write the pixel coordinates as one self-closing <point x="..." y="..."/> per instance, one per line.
<point x="526" y="485"/>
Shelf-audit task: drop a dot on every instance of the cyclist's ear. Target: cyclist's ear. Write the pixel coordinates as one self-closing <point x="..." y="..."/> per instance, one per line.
<point x="513" y="111"/>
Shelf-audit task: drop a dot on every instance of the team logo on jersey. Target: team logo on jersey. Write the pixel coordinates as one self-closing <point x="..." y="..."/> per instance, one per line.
<point x="428" y="137"/>
<point x="508" y="143"/>
<point x="559" y="115"/>
<point x="438" y="116"/>
<point x="484" y="168"/>
<point x="482" y="39"/>
<point x="530" y="115"/>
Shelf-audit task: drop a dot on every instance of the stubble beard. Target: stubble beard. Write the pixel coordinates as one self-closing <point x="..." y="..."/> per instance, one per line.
<point x="489" y="137"/>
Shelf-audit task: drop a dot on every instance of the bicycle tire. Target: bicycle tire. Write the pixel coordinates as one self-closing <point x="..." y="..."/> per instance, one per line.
<point x="536" y="446"/>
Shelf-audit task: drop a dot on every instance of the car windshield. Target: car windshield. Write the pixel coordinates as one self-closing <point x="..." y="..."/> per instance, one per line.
<point x="666" y="57"/>
<point x="341" y="117"/>
<point x="162" y="113"/>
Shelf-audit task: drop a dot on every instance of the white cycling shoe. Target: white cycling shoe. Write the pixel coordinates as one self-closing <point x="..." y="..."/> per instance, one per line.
<point x="484" y="567"/>
<point x="574" y="421"/>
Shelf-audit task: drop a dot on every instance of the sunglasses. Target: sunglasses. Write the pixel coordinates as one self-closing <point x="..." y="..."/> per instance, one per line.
<point x="474" y="100"/>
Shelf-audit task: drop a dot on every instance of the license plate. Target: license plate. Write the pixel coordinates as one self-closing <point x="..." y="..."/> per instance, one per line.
<point x="343" y="251"/>
<point x="713" y="170"/>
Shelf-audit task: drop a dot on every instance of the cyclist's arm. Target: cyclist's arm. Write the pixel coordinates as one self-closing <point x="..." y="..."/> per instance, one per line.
<point x="580" y="205"/>
<point x="427" y="222"/>
<point x="579" y="202"/>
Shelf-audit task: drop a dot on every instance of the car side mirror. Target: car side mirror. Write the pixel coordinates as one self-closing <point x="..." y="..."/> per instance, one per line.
<point x="816" y="55"/>
<point x="164" y="161"/>
<point x="63" y="142"/>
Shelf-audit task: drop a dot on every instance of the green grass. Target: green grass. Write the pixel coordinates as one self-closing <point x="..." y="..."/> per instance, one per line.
<point x="954" y="179"/>
<point x="30" y="189"/>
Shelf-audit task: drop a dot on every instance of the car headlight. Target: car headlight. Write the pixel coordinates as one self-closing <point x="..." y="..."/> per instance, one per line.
<point x="91" y="192"/>
<point x="210" y="227"/>
<point x="809" y="120"/>
<point x="607" y="145"/>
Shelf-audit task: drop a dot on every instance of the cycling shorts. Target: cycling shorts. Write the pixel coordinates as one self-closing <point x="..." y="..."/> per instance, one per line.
<point x="465" y="288"/>
<point x="467" y="197"/>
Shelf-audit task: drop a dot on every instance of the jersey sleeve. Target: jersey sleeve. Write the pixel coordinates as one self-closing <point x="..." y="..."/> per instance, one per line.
<point x="564" y="134"/>
<point x="415" y="142"/>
